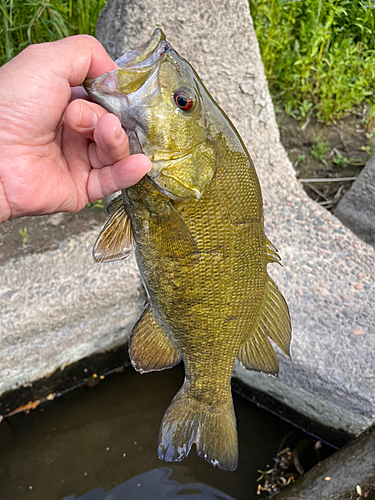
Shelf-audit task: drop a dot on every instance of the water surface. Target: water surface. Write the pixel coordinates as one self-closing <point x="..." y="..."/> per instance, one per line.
<point x="99" y="443"/>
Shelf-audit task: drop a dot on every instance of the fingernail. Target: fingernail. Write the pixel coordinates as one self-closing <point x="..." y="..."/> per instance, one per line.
<point x="87" y="117"/>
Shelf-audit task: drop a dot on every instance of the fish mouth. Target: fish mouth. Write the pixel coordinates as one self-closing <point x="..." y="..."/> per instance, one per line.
<point x="135" y="68"/>
<point x="143" y="51"/>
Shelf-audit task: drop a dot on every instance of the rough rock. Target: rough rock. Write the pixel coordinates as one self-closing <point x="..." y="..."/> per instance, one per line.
<point x="347" y="474"/>
<point x="59" y="306"/>
<point x="356" y="208"/>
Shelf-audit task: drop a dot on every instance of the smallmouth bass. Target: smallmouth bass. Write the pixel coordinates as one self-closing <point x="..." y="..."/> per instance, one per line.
<point x="195" y="223"/>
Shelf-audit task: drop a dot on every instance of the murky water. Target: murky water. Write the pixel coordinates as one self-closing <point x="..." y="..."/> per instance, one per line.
<point x="99" y="443"/>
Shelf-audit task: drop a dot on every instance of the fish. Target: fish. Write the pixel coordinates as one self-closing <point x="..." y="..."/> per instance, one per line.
<point x="195" y="223"/>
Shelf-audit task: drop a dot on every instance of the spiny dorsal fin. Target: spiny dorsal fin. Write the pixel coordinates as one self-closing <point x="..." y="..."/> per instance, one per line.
<point x="115" y="241"/>
<point x="114" y="204"/>
<point x="256" y="352"/>
<point x="170" y="231"/>
<point x="150" y="347"/>
<point x="272" y="253"/>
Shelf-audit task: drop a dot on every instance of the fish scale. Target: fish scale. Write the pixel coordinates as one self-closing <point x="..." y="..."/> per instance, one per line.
<point x="196" y="225"/>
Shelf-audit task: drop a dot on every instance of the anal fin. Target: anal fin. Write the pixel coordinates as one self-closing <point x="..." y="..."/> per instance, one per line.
<point x="273" y="321"/>
<point x="150" y="347"/>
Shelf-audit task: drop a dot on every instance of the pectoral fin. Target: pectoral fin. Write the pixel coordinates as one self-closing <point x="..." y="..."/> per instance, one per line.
<point x="150" y="347"/>
<point x="172" y="234"/>
<point x="114" y="205"/>
<point x="115" y="241"/>
<point x="256" y="352"/>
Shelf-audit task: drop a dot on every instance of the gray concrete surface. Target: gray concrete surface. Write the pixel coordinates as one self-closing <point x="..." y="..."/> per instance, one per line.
<point x="59" y="307"/>
<point x="356" y="208"/>
<point x="328" y="276"/>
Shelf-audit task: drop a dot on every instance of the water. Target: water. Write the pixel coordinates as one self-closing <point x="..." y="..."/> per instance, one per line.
<point x="99" y="443"/>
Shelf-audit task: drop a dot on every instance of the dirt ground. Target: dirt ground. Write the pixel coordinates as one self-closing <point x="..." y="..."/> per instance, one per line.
<point x="312" y="149"/>
<point x="339" y="150"/>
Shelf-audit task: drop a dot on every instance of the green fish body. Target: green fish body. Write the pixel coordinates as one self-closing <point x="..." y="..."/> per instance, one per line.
<point x="196" y="225"/>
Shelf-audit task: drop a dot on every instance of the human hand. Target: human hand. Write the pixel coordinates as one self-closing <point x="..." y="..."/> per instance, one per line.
<point x="58" y="151"/>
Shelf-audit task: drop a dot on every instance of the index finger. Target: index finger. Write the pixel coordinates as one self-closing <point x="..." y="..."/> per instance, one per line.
<point x="80" y="57"/>
<point x="73" y="59"/>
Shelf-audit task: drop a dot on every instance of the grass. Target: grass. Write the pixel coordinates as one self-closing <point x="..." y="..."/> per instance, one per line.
<point x="35" y="21"/>
<point x="318" y="55"/>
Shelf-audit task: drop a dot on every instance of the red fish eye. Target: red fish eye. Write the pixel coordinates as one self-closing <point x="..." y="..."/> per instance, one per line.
<point x="183" y="100"/>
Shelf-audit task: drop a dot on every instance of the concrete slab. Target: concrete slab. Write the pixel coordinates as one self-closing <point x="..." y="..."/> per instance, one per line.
<point x="356" y="208"/>
<point x="59" y="306"/>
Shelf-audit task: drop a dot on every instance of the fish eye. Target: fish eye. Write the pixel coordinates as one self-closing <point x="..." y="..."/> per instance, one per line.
<point x="183" y="99"/>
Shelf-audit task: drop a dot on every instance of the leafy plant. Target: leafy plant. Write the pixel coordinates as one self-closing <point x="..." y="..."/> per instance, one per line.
<point x="344" y="162"/>
<point x="305" y="108"/>
<point x="25" y="236"/>
<point x="289" y="110"/>
<point x="319" y="150"/>
<point x="319" y="52"/>
<point x="340" y="160"/>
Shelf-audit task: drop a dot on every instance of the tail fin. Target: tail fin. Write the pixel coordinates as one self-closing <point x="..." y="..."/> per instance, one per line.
<point x="212" y="429"/>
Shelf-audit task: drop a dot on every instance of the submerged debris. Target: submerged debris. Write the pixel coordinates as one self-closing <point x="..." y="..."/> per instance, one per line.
<point x="297" y="455"/>
<point x="284" y="472"/>
<point x="31" y="405"/>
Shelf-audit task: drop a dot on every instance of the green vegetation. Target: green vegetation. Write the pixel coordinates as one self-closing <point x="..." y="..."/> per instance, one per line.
<point x="318" y="55"/>
<point x="319" y="150"/>
<point x="97" y="204"/>
<point x="301" y="158"/>
<point x="35" y="21"/>
<point x="25" y="236"/>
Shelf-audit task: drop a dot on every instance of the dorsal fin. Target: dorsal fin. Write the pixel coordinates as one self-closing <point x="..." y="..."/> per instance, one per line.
<point x="272" y="253"/>
<point x="114" y="204"/>
<point x="115" y="241"/>
<point x="170" y="231"/>
<point x="256" y="352"/>
<point x="150" y="347"/>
